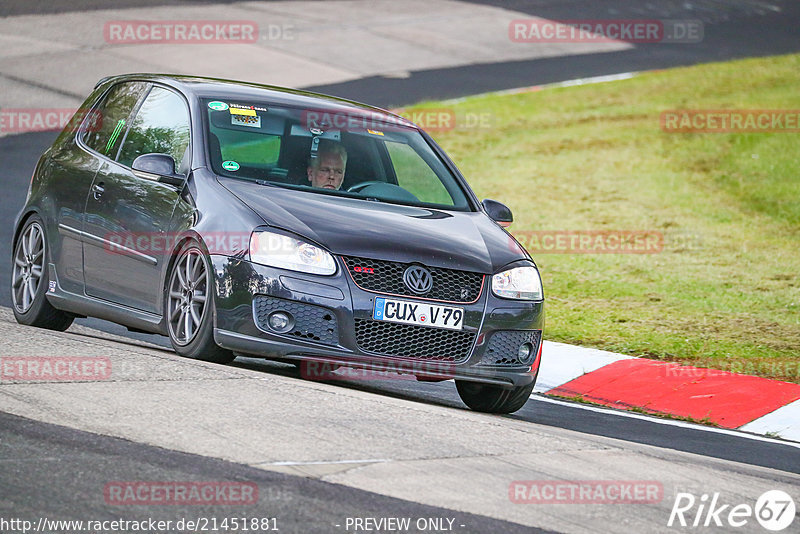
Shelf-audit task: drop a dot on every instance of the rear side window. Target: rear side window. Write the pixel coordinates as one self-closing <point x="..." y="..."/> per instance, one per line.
<point x="111" y="116"/>
<point x="161" y="126"/>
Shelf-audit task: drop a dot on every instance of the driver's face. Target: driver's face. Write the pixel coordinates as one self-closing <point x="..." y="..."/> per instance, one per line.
<point x="328" y="173"/>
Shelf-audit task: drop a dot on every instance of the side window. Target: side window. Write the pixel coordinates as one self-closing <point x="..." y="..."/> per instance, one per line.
<point x="161" y="126"/>
<point x="104" y="132"/>
<point x="416" y="176"/>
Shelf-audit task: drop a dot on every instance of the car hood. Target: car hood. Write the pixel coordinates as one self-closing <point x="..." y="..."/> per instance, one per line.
<point x="456" y="240"/>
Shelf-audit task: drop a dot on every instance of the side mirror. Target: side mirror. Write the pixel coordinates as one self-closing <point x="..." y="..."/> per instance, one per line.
<point x="159" y="168"/>
<point x="498" y="211"/>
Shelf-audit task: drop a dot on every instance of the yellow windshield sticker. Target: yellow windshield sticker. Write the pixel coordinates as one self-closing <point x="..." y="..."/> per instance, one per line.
<point x="239" y="111"/>
<point x="375" y="132"/>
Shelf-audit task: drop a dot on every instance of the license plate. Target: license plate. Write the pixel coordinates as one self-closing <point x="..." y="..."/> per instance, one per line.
<point x="418" y="313"/>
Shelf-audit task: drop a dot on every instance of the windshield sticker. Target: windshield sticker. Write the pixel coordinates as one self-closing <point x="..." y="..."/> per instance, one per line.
<point x="218" y="106"/>
<point x="375" y="132"/>
<point x="248" y="108"/>
<point x="246" y="120"/>
<point x="231" y="166"/>
<point x="239" y="111"/>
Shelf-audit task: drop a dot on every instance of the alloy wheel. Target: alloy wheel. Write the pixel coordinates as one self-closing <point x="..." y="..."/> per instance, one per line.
<point x="28" y="267"/>
<point x="188" y="294"/>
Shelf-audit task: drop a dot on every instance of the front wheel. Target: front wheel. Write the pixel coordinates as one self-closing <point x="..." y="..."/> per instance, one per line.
<point x="493" y="399"/>
<point x="189" y="308"/>
<point x="29" y="281"/>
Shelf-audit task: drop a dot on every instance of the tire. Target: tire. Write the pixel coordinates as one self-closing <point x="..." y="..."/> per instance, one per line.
<point x="189" y="307"/>
<point x="29" y="280"/>
<point x="493" y="399"/>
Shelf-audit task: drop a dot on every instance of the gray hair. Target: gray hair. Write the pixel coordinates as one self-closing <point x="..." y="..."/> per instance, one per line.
<point x="326" y="146"/>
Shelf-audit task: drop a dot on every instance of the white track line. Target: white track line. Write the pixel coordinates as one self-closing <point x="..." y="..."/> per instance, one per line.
<point x="378" y="461"/>
<point x="660" y="421"/>
<point x="567" y="83"/>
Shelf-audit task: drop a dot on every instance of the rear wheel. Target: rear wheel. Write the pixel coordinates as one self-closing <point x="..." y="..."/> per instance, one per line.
<point x="493" y="399"/>
<point x="190" y="308"/>
<point x="29" y="281"/>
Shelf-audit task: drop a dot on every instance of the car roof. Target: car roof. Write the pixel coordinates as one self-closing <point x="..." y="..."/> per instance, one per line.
<point x="203" y="87"/>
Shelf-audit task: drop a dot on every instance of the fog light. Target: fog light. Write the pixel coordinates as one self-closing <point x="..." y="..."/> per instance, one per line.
<point x="525" y="351"/>
<point x="280" y="321"/>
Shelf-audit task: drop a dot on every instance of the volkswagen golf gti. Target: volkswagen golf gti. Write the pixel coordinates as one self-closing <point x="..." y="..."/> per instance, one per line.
<point x="242" y="219"/>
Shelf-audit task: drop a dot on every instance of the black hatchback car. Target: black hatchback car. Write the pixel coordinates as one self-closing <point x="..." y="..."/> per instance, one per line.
<point x="244" y="219"/>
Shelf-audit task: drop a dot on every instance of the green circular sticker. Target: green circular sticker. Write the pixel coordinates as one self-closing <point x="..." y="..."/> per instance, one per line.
<point x="230" y="166"/>
<point x="218" y="106"/>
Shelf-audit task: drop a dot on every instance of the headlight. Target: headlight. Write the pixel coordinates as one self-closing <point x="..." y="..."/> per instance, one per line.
<point x="277" y="250"/>
<point x="520" y="283"/>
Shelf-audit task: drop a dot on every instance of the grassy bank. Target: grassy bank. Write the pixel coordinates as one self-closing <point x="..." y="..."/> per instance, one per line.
<point x="725" y="290"/>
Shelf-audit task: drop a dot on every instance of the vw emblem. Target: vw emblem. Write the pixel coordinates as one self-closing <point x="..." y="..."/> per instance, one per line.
<point x="418" y="279"/>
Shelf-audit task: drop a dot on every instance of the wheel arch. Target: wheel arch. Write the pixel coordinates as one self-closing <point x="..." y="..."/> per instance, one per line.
<point x="180" y="242"/>
<point x="22" y="219"/>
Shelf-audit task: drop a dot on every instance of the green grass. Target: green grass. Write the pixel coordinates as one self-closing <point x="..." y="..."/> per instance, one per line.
<point x="725" y="291"/>
<point x="580" y="399"/>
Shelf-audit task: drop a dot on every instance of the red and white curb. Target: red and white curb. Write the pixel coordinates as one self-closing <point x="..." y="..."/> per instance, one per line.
<point x="729" y="400"/>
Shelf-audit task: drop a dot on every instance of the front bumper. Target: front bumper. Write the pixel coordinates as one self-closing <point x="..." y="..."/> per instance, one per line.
<point x="332" y="313"/>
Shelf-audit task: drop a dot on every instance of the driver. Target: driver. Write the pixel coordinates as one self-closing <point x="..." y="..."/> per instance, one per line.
<point x="327" y="169"/>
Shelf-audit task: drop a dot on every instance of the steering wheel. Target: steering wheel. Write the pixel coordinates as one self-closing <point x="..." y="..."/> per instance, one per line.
<point x="361" y="185"/>
<point x="383" y="191"/>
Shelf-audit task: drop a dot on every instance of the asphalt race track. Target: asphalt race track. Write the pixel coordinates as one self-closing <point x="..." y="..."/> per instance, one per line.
<point x="300" y="504"/>
<point x="411" y="444"/>
<point x="732" y="30"/>
<point x="245" y="422"/>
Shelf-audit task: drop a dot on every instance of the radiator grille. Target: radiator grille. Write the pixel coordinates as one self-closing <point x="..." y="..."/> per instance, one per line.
<point x="381" y="276"/>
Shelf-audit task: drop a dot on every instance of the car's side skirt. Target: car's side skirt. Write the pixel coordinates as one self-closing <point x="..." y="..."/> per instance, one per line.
<point x="94" y="307"/>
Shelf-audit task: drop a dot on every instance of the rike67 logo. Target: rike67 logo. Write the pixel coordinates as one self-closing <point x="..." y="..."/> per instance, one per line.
<point x="774" y="510"/>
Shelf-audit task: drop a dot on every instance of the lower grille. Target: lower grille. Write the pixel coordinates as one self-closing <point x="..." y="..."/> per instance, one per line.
<point x="415" y="342"/>
<point x="311" y="323"/>
<point x="504" y="345"/>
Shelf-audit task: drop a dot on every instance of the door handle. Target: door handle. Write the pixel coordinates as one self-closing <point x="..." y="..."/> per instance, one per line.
<point x="98" y="190"/>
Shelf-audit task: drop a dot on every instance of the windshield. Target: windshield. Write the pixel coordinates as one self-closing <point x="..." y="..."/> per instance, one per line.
<point x="315" y="150"/>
